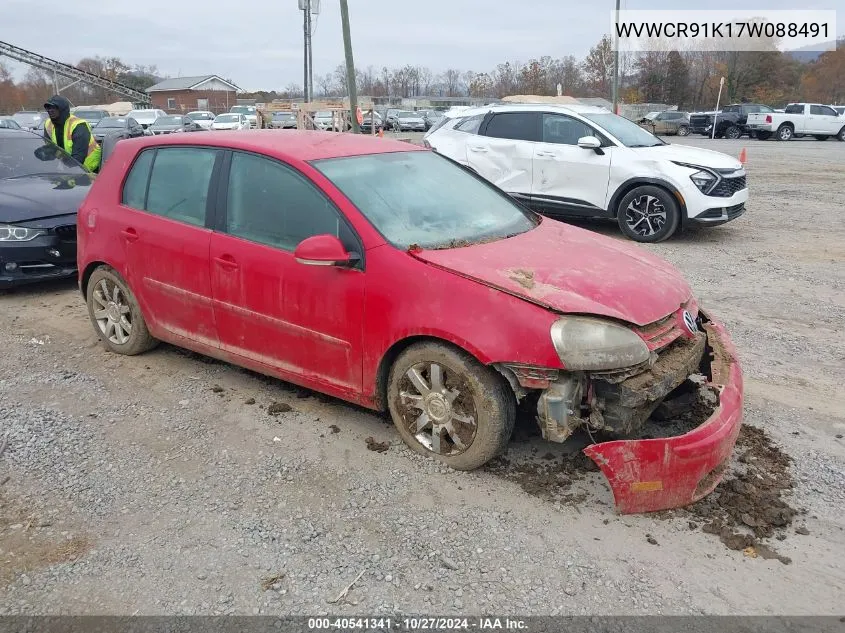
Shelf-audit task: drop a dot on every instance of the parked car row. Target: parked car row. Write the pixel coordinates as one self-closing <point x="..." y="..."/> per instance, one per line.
<point x="762" y="122"/>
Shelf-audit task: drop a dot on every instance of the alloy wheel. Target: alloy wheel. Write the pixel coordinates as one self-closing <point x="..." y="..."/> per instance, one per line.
<point x="112" y="312"/>
<point x="645" y="215"/>
<point x="440" y="409"/>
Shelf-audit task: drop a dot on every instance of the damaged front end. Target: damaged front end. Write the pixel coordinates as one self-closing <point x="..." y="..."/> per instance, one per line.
<point x="676" y="415"/>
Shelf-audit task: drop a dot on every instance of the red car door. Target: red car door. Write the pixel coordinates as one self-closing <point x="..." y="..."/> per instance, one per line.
<point x="303" y="321"/>
<point x="164" y="210"/>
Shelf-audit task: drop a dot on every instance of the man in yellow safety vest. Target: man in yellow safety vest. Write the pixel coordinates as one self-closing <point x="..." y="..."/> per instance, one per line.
<point x="71" y="133"/>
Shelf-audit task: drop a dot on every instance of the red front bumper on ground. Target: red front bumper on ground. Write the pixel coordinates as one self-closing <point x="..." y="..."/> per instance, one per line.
<point x="658" y="474"/>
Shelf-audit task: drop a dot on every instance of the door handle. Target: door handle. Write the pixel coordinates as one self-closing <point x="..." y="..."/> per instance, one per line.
<point x="226" y="262"/>
<point x="541" y="153"/>
<point x="478" y="149"/>
<point x="129" y="234"/>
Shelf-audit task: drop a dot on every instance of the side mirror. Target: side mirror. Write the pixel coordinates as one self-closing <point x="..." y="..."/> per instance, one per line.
<point x="323" y="250"/>
<point x="589" y="142"/>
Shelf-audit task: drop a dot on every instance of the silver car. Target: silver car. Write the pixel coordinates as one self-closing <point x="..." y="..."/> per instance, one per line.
<point x="407" y="121"/>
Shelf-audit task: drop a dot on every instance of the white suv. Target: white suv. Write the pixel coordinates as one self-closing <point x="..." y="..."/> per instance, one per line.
<point x="583" y="161"/>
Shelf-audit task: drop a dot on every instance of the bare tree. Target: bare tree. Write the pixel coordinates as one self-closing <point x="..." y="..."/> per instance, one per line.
<point x="452" y="81"/>
<point x="599" y="67"/>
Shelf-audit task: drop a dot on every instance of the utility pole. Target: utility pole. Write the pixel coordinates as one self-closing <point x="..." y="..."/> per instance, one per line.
<point x="350" y="66"/>
<point x="306" y="53"/>
<point x="615" y="40"/>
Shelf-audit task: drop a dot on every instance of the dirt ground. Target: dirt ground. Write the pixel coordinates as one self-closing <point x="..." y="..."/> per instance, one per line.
<point x="173" y="484"/>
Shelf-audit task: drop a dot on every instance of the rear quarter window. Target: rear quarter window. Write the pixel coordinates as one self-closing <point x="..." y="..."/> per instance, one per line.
<point x="135" y="187"/>
<point x="470" y="125"/>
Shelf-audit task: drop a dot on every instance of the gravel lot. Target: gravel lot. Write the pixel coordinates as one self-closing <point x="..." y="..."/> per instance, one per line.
<point x="160" y="484"/>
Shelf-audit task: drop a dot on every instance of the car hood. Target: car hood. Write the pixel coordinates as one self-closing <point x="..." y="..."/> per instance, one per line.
<point x="42" y="196"/>
<point x="691" y="155"/>
<point x="572" y="270"/>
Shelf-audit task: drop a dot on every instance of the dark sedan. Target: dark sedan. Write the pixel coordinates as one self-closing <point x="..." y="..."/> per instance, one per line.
<point x="127" y="127"/>
<point x="175" y="123"/>
<point x="41" y="188"/>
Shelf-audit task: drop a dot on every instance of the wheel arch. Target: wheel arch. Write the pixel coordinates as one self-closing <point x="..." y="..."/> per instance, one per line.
<point x="392" y="353"/>
<point x="629" y="185"/>
<point x="86" y="275"/>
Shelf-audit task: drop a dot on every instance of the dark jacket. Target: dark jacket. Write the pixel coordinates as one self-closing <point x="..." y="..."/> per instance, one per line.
<point x="81" y="135"/>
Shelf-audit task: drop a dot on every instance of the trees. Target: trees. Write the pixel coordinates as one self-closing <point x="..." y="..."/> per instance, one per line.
<point x="598" y="67"/>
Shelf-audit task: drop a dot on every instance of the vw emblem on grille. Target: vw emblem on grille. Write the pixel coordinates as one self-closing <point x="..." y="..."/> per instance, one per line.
<point x="689" y="321"/>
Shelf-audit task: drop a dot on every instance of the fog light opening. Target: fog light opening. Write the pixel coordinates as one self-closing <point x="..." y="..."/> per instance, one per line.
<point x="10" y="266"/>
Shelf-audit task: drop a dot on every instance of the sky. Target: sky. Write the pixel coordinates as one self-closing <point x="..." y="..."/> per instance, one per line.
<point x="258" y="45"/>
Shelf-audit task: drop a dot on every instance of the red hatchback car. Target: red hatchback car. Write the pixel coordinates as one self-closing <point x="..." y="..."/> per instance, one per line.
<point x="387" y="275"/>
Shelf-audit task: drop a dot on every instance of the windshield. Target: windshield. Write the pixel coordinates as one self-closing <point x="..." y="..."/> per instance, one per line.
<point x="227" y="118"/>
<point x="28" y="118"/>
<point x="111" y="122"/>
<point x="420" y="198"/>
<point x="142" y="114"/>
<point x="404" y="114"/>
<point x="9" y="124"/>
<point x="28" y="155"/>
<point x="168" y="120"/>
<point x="90" y="114"/>
<point x="322" y="115"/>
<point x="243" y="109"/>
<point x="629" y="133"/>
<point x="200" y="116"/>
<point x="283" y="115"/>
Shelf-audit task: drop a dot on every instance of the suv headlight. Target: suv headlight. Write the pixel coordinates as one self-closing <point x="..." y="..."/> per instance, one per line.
<point x="704" y="180"/>
<point x="702" y="177"/>
<point x="590" y="344"/>
<point x="10" y="233"/>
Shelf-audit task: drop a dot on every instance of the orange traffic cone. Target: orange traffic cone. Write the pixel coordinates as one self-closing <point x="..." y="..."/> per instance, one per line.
<point x="381" y="132"/>
<point x="742" y="156"/>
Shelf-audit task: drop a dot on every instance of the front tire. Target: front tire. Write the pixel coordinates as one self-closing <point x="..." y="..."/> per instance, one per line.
<point x="841" y="135"/>
<point x="785" y="132"/>
<point x="648" y="214"/>
<point x="733" y="132"/>
<point x="447" y="405"/>
<point x="116" y="315"/>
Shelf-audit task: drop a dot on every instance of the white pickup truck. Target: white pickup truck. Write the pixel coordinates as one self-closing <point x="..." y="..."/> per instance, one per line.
<point x="797" y="120"/>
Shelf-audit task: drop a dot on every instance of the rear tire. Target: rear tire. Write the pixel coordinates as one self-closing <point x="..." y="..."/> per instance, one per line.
<point x="648" y="214"/>
<point x="116" y="315"/>
<point x="683" y="131"/>
<point x="785" y="132"/>
<point x="841" y="135"/>
<point x="465" y="412"/>
<point x="733" y="132"/>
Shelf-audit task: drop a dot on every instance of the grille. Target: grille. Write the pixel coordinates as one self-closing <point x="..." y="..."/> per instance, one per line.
<point x="728" y="187"/>
<point x="66" y="231"/>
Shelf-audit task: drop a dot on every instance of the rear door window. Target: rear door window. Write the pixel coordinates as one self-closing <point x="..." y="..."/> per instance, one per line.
<point x="519" y="126"/>
<point x="176" y="185"/>
<point x="471" y="124"/>
<point x="794" y="109"/>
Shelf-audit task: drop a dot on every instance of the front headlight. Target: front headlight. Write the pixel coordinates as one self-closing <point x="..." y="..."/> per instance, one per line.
<point x="704" y="180"/>
<point x="590" y="344"/>
<point x="10" y="233"/>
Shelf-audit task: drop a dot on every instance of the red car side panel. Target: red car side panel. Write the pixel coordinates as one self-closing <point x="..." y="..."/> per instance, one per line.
<point x="407" y="297"/>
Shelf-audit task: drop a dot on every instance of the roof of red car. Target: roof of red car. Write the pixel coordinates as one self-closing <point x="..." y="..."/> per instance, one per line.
<point x="297" y="144"/>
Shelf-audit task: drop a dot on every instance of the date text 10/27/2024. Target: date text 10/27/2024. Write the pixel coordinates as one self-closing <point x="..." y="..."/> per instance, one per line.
<point x="416" y="624"/>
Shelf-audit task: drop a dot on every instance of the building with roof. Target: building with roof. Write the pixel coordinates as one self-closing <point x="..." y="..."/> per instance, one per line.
<point x="184" y="94"/>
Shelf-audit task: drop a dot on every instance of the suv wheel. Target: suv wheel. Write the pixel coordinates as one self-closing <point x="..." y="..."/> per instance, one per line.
<point x="683" y="130"/>
<point x="648" y="214"/>
<point x="447" y="405"/>
<point x="841" y="135"/>
<point x="116" y="315"/>
<point x="733" y="132"/>
<point x="785" y="132"/>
